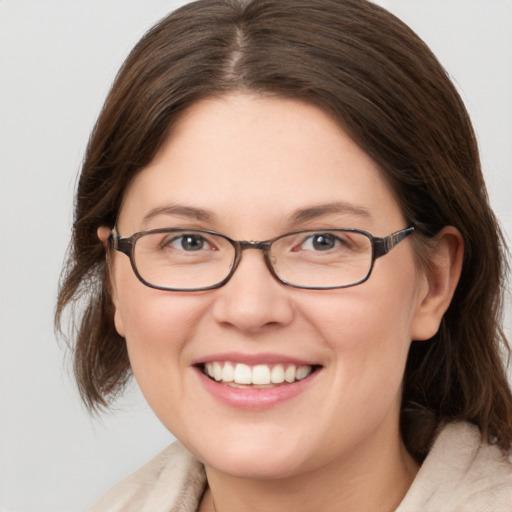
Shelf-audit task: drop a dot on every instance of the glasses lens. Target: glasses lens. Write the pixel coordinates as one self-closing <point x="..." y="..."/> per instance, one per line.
<point x="322" y="259"/>
<point x="183" y="260"/>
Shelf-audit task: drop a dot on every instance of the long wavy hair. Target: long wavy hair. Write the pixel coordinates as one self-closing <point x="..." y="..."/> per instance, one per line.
<point x="383" y="85"/>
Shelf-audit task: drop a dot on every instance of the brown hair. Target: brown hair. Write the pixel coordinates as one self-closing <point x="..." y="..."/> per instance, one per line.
<point x="366" y="68"/>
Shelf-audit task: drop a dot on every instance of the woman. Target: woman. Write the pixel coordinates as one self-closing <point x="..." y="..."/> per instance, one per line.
<point x="311" y="286"/>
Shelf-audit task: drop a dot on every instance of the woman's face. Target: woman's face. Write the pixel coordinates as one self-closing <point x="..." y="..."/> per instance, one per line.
<point x="253" y="168"/>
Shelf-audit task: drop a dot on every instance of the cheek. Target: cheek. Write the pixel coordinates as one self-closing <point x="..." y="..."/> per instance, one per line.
<point x="368" y="331"/>
<point x="158" y="330"/>
<point x="157" y="323"/>
<point x="156" y="326"/>
<point x="365" y="320"/>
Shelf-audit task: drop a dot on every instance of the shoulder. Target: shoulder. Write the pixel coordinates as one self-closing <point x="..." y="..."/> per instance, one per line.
<point x="462" y="473"/>
<point x="174" y="478"/>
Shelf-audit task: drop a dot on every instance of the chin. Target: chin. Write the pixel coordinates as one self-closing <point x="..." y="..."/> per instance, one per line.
<point x="260" y="467"/>
<point x="260" y="460"/>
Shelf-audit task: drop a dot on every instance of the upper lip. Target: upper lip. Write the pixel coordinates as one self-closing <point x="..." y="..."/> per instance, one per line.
<point x="253" y="359"/>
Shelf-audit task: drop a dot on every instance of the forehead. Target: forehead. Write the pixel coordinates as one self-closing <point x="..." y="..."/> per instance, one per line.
<point x="259" y="160"/>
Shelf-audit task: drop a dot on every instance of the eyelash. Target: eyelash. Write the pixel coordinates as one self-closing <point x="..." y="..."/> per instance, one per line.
<point x="166" y="243"/>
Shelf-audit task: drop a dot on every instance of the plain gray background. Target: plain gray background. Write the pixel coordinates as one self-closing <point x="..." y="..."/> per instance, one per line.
<point x="57" y="60"/>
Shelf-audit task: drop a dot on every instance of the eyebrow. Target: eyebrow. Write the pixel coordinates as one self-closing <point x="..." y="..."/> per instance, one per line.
<point x="298" y="216"/>
<point x="314" y="212"/>
<point x="181" y="211"/>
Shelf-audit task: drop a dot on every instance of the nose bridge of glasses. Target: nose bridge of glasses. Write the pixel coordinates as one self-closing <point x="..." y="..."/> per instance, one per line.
<point x="254" y="244"/>
<point x="263" y="246"/>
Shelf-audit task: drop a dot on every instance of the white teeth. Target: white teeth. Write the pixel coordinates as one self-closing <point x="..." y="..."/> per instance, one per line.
<point x="243" y="374"/>
<point x="217" y="371"/>
<point x="302" y="372"/>
<point x="277" y="374"/>
<point x="259" y="375"/>
<point x="289" y="374"/>
<point x="228" y="373"/>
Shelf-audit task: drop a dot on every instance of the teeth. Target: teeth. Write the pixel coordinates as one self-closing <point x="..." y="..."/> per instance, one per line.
<point x="277" y="374"/>
<point x="242" y="374"/>
<point x="259" y="375"/>
<point x="302" y="372"/>
<point x="228" y="373"/>
<point x="217" y="371"/>
<point x="289" y="374"/>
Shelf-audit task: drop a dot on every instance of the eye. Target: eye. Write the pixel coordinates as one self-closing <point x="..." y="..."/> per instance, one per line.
<point x="320" y="242"/>
<point x="189" y="242"/>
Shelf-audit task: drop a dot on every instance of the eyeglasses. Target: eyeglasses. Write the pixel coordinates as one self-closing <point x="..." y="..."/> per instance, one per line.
<point x="182" y="259"/>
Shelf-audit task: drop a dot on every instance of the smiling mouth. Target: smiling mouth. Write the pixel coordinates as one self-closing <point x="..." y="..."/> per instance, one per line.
<point x="241" y="375"/>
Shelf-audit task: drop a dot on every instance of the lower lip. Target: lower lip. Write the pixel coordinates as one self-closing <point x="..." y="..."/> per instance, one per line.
<point x="255" y="399"/>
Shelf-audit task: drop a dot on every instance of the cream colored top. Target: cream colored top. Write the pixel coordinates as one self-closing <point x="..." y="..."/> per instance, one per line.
<point x="460" y="474"/>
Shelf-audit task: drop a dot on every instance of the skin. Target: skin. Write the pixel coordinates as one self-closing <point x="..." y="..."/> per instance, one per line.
<point x="251" y="162"/>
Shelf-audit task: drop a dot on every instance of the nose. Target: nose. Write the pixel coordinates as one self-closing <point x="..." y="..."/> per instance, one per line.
<point x="253" y="300"/>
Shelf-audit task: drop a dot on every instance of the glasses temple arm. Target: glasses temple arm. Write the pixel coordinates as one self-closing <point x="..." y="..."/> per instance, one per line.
<point x="382" y="246"/>
<point x="117" y="243"/>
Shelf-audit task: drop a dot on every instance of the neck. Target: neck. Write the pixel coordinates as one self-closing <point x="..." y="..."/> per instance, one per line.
<point x="375" y="481"/>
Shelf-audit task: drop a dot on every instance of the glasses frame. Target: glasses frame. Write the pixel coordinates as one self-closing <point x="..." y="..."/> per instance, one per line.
<point x="380" y="247"/>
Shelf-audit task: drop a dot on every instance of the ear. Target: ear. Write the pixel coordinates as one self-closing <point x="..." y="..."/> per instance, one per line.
<point x="103" y="233"/>
<point x="441" y="278"/>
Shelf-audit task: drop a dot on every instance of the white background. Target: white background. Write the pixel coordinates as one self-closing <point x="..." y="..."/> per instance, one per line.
<point x="57" y="60"/>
